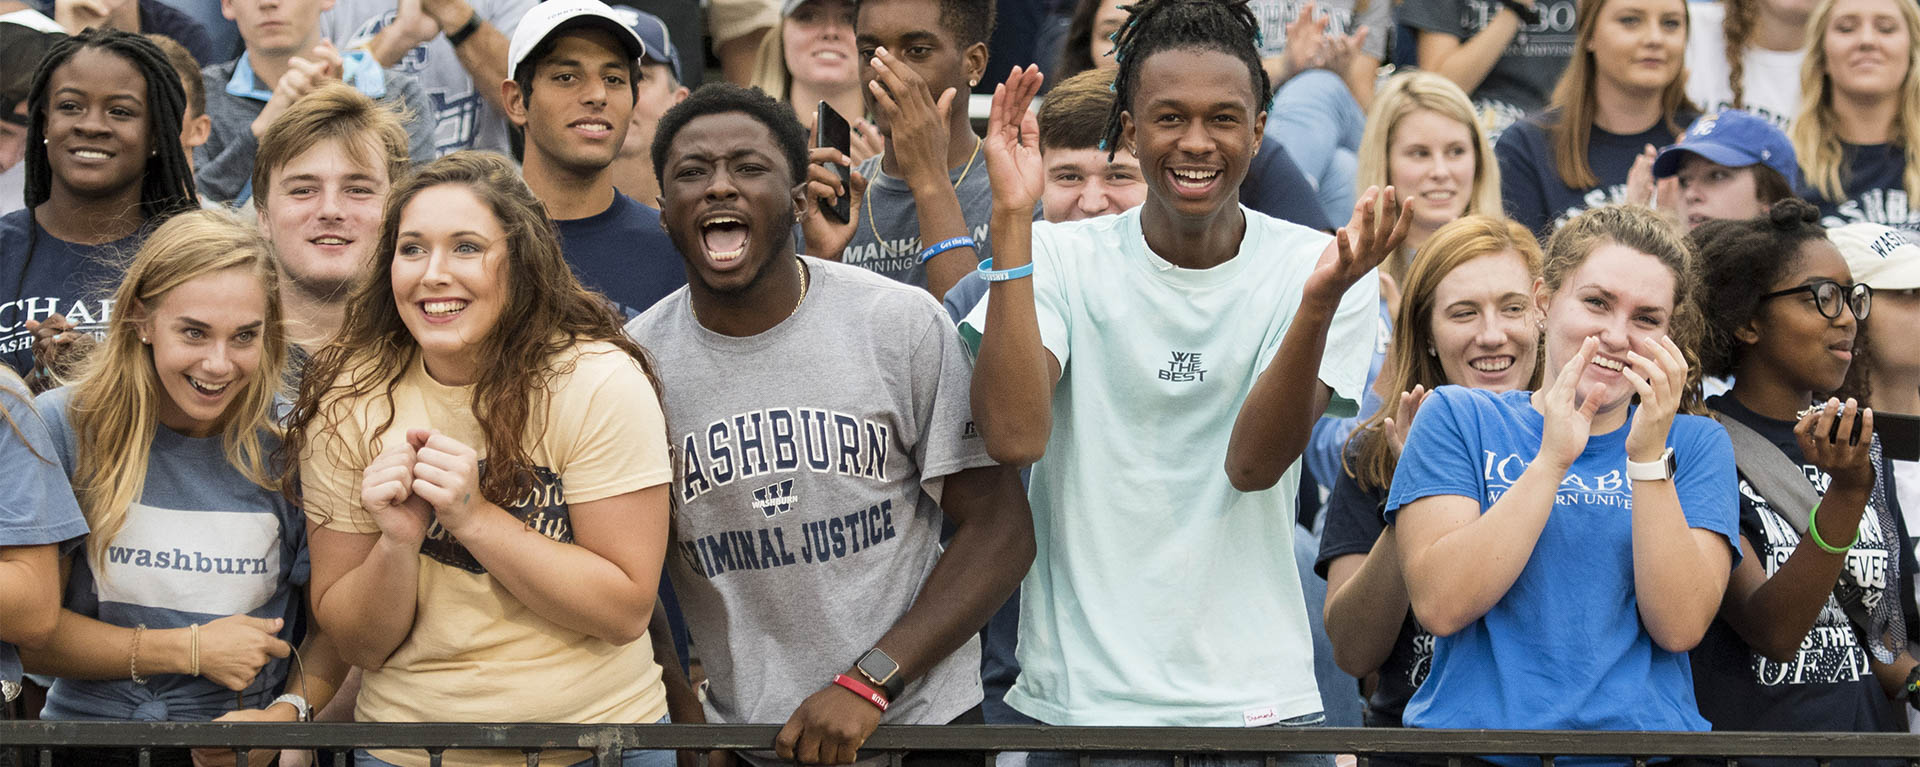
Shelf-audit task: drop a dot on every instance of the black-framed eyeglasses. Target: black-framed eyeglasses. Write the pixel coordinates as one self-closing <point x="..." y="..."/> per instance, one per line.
<point x="1827" y="295"/>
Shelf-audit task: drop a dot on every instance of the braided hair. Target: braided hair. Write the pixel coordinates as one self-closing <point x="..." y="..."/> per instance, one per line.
<point x="167" y="186"/>
<point x="1227" y="26"/>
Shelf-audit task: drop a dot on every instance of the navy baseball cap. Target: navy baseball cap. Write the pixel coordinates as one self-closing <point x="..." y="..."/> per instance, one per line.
<point x="652" y="32"/>
<point x="1736" y="139"/>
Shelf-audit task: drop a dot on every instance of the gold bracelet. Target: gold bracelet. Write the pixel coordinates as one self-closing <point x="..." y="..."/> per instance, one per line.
<point x="133" y="655"/>
<point x="193" y="635"/>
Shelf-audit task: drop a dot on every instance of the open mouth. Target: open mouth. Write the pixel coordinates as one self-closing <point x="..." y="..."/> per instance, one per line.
<point x="724" y="237"/>
<point x="1610" y="364"/>
<point x="443" y="309"/>
<point x="1193" y="182"/>
<point x="207" y="389"/>
<point x="830" y="55"/>
<point x="592" y="127"/>
<point x="91" y="154"/>
<point x="1496" y="364"/>
<point x="331" y="241"/>
<point x="1439" y="195"/>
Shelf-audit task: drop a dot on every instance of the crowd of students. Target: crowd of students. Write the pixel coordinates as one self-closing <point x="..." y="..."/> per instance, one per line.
<point x="333" y="391"/>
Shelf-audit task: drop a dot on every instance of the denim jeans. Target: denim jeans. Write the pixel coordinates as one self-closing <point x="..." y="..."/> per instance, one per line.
<point x="1315" y="117"/>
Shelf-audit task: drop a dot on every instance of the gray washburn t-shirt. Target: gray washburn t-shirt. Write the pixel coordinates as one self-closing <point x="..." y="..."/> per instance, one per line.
<point x="811" y="464"/>
<point x="892" y="213"/>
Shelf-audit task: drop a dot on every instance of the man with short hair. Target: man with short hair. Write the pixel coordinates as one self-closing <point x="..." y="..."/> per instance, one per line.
<point x="659" y="88"/>
<point x="457" y="49"/>
<point x="286" y="58"/>
<point x="576" y="70"/>
<point x="194" y="123"/>
<point x="822" y="420"/>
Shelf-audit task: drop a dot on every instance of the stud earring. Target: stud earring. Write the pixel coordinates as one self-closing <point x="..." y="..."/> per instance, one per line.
<point x="1432" y="352"/>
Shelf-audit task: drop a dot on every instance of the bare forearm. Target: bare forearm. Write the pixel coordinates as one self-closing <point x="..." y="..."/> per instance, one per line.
<point x="29" y="594"/>
<point x="1365" y="609"/>
<point x="1360" y="76"/>
<point x="1012" y="379"/>
<point x="564" y="583"/>
<point x="370" y="609"/>
<point x="683" y="706"/>
<point x="321" y="672"/>
<point x="1277" y="418"/>
<point x="1775" y="618"/>
<point x="991" y="549"/>
<point x="1469" y="63"/>
<point x="484" y="55"/>
<point x="1893" y="676"/>
<point x="87" y="648"/>
<point x="389" y="45"/>
<point x="1676" y="583"/>
<point x="940" y="220"/>
<point x="1464" y="573"/>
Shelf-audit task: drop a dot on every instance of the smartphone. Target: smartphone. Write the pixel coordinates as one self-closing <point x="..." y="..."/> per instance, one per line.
<point x="1899" y="435"/>
<point x="831" y="130"/>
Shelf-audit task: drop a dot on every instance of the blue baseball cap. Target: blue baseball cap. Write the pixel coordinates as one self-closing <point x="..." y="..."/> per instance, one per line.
<point x="1736" y="139"/>
<point x="653" y="32"/>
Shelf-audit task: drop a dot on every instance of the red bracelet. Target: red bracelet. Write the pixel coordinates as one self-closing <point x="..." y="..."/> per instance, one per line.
<point x="860" y="688"/>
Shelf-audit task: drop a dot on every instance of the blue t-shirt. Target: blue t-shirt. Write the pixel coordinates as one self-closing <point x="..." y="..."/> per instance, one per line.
<point x="58" y="277"/>
<point x="623" y="253"/>
<point x="1530" y="184"/>
<point x="202" y="543"/>
<point x="1564" y="649"/>
<point x="1874" y="180"/>
<point x="36" y="504"/>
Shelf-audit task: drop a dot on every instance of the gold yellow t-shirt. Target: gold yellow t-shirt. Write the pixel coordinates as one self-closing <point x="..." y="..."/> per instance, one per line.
<point x="476" y="653"/>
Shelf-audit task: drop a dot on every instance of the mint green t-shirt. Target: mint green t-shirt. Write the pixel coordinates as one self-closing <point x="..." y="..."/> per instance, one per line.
<point x="1160" y="595"/>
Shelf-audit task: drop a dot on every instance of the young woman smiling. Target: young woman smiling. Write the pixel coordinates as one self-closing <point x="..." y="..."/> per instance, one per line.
<point x="1622" y="96"/>
<point x="1860" y="112"/>
<point x="1467" y="318"/>
<point x="1785" y="317"/>
<point x="485" y="455"/>
<point x="191" y="582"/>
<point x="811" y="58"/>
<point x="1524" y="546"/>
<point x="1423" y="139"/>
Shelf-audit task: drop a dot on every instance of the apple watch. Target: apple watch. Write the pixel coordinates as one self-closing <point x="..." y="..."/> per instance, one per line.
<point x="1652" y="471"/>
<point x="882" y="672"/>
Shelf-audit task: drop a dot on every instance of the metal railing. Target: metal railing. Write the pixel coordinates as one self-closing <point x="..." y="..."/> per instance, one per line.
<point x="607" y="741"/>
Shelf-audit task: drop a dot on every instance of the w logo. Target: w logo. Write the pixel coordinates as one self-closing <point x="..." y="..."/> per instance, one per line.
<point x="776" y="498"/>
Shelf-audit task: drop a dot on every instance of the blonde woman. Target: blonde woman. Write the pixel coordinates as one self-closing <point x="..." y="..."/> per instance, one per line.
<point x="190" y="585"/>
<point x="811" y="58"/>
<point x="1423" y="139"/>
<point x="1621" y="98"/>
<point x="1860" y="113"/>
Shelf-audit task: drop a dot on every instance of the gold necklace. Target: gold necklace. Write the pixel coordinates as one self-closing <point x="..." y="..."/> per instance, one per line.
<point x="882" y="244"/>
<point x="797" y="264"/>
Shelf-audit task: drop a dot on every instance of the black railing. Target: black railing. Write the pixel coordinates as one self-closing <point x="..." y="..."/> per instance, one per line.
<point x="607" y="741"/>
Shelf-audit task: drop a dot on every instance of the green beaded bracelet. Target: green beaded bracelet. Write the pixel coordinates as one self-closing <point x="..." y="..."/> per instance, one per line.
<point x="1813" y="529"/>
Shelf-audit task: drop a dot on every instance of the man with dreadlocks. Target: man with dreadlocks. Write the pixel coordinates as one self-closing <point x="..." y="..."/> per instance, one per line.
<point x="1131" y="356"/>
<point x="104" y="165"/>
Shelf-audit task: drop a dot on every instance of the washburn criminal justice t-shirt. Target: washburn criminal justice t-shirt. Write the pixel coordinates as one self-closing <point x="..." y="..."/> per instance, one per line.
<point x="476" y="652"/>
<point x="812" y="460"/>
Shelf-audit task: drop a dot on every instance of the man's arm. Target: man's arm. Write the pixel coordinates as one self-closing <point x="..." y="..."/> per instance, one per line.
<point x="483" y="53"/>
<point x="920" y="126"/>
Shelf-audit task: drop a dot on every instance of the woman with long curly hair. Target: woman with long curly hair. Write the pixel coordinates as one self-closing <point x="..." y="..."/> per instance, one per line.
<point x="484" y="454"/>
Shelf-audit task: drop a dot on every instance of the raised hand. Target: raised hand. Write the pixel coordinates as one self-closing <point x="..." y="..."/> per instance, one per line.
<point x="1640" y="177"/>
<point x="412" y="23"/>
<point x="827" y="237"/>
<point x="322" y="65"/>
<point x="1306" y="42"/>
<point x="919" y="121"/>
<point x="1846" y="459"/>
<point x="1568" y="415"/>
<point x="234" y="648"/>
<point x="1360" y="246"/>
<point x="1400" y="423"/>
<point x="446" y="474"/>
<point x="1013" y="142"/>
<point x="386" y="492"/>
<point x="866" y="141"/>
<point x="1658" y="371"/>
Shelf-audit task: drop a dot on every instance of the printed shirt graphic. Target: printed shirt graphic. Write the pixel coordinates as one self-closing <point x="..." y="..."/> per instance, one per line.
<point x="1348" y="17"/>
<point x="202" y="543"/>
<point x="1524" y="75"/>
<point x="476" y="652"/>
<point x="1770" y="83"/>
<point x="464" y="117"/>
<point x="36" y="502"/>
<point x="1874" y="180"/>
<point x="1828" y="686"/>
<point x="58" y="277"/>
<point x="1354" y="523"/>
<point x="1571" y="617"/>
<point x="888" y="238"/>
<point x="1160" y="595"/>
<point x="1530" y="185"/>
<point x="809" y="488"/>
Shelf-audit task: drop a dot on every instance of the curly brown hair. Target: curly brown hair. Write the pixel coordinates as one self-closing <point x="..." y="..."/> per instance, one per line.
<point x="547" y="312"/>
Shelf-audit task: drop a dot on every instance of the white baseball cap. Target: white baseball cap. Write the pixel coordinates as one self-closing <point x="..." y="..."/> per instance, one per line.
<point x="543" y="20"/>
<point x="1881" y="256"/>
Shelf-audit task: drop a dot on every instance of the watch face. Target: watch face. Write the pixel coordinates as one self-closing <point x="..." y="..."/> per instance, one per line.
<point x="876" y="665"/>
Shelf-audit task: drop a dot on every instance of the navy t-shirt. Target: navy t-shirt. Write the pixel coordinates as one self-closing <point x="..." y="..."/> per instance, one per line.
<point x="1829" y="685"/>
<point x="1875" y="184"/>
<point x="58" y="277"/>
<point x="158" y="18"/>
<point x="1530" y="185"/>
<point x="623" y="253"/>
<point x="1275" y="186"/>
<point x="1354" y="523"/>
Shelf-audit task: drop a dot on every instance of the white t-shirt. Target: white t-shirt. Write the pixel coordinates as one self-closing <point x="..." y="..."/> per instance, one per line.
<point x="1160" y="595"/>
<point x="1771" y="80"/>
<point x="465" y="118"/>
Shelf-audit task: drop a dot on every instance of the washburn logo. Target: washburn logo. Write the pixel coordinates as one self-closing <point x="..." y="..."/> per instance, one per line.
<point x="776" y="498"/>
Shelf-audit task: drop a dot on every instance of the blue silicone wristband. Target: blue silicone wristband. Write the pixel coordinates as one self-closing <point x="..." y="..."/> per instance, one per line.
<point x="988" y="273"/>
<point x="944" y="246"/>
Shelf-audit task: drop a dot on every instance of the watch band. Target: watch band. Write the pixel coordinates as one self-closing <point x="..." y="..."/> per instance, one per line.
<point x="1528" y="15"/>
<point x="882" y="672"/>
<point x="458" y="36"/>
<point x="1652" y="471"/>
<point x="861" y="689"/>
